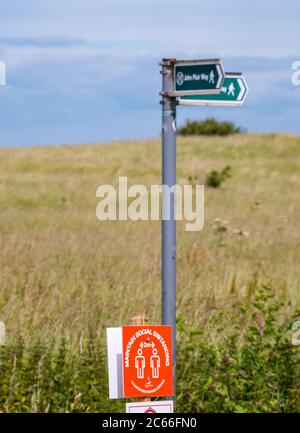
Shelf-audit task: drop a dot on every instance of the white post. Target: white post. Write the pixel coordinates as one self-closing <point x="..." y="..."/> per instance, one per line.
<point x="2" y="334"/>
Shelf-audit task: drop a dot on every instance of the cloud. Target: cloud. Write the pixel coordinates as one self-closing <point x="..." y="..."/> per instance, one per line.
<point x="216" y="27"/>
<point x="43" y="42"/>
<point x="82" y="93"/>
<point x="88" y="70"/>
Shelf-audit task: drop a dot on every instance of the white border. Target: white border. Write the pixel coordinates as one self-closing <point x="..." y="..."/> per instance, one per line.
<point x="115" y="362"/>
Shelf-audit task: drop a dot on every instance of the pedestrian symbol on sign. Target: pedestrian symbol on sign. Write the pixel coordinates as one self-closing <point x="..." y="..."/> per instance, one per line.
<point x="140" y="364"/>
<point x="212" y="77"/>
<point x="155" y="364"/>
<point x="231" y="89"/>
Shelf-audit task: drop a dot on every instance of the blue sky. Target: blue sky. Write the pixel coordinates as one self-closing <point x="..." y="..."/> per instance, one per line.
<point x="87" y="71"/>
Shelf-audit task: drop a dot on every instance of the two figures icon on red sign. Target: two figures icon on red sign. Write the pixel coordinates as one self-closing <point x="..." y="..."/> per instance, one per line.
<point x="140" y="364"/>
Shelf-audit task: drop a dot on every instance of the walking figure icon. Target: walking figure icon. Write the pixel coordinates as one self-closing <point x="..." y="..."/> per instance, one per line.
<point x="231" y="89"/>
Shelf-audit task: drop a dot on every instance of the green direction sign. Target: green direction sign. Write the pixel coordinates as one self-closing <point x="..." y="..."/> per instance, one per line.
<point x="233" y="92"/>
<point x="198" y="77"/>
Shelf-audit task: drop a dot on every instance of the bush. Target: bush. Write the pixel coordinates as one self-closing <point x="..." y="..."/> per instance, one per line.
<point x="215" y="178"/>
<point x="53" y="377"/>
<point x="253" y="367"/>
<point x="249" y="365"/>
<point x="209" y="127"/>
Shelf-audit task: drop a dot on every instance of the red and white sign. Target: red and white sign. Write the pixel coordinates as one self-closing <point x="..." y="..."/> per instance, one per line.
<point x="150" y="407"/>
<point x="147" y="361"/>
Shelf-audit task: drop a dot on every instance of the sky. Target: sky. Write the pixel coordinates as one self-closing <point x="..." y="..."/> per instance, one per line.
<point x="83" y="71"/>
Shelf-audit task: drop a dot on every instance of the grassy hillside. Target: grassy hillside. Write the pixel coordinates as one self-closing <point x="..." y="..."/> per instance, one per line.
<point x="61" y="268"/>
<point x="65" y="276"/>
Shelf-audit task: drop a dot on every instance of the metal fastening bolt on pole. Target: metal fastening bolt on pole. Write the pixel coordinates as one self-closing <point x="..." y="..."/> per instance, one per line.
<point x="168" y="203"/>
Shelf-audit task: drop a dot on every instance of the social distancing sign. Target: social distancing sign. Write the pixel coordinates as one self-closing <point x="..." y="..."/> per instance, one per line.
<point x="147" y="361"/>
<point x="165" y="406"/>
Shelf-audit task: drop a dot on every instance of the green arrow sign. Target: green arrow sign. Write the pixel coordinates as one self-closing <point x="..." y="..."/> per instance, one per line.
<point x="198" y="77"/>
<point x="233" y="92"/>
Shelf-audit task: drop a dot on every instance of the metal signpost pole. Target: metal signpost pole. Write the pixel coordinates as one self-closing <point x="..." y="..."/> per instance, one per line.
<point x="193" y="82"/>
<point x="168" y="203"/>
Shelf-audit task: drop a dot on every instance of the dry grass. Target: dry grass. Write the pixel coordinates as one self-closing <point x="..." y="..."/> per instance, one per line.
<point x="61" y="269"/>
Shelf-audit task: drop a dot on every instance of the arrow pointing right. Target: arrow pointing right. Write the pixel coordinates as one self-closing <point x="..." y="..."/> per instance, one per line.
<point x="243" y="90"/>
<point x="233" y="93"/>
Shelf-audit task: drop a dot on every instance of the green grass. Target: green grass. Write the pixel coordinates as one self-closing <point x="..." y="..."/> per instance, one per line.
<point x="61" y="267"/>
<point x="62" y="271"/>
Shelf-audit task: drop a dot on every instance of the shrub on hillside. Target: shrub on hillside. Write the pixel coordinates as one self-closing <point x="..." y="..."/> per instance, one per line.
<point x="215" y="178"/>
<point x="53" y="377"/>
<point x="209" y="126"/>
<point x="252" y="368"/>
